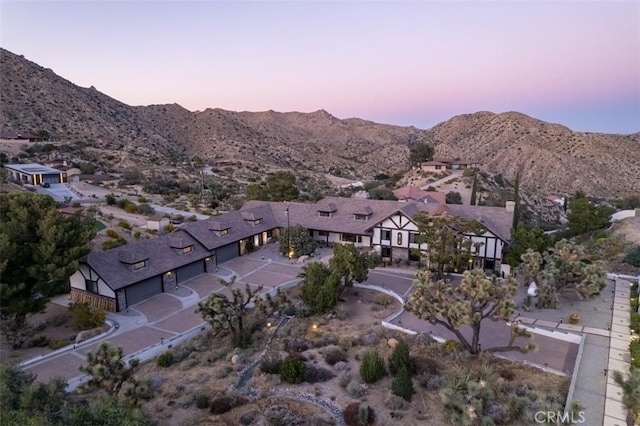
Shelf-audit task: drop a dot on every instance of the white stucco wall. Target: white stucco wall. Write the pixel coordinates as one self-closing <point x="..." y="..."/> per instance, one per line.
<point x="77" y="280"/>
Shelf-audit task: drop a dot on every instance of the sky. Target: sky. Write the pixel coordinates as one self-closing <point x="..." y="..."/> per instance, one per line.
<point x="417" y="63"/>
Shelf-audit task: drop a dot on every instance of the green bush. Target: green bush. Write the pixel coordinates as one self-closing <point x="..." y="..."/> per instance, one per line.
<point x="400" y="358"/>
<point x="633" y="256"/>
<point x="452" y="346"/>
<point x="201" y="400"/>
<point x="271" y="363"/>
<point x="293" y="370"/>
<point x="402" y="385"/>
<point x="84" y="317"/>
<point x="60" y="343"/>
<point x="635" y="322"/>
<point x="124" y="224"/>
<point x="142" y="199"/>
<point x="382" y="299"/>
<point x="165" y="359"/>
<point x="634" y="348"/>
<point x="109" y="244"/>
<point x="372" y="367"/>
<point x="335" y="355"/>
<point x="39" y="341"/>
<point x="111" y="199"/>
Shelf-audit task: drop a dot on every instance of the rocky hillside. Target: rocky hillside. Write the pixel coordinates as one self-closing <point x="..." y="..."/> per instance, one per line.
<point x="552" y="158"/>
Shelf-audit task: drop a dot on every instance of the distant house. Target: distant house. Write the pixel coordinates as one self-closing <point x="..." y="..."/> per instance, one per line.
<point x="357" y="184"/>
<point x="412" y="193"/>
<point x="118" y="278"/>
<point x="35" y="174"/>
<point x="433" y="166"/>
<point x="556" y="199"/>
<point x="27" y="137"/>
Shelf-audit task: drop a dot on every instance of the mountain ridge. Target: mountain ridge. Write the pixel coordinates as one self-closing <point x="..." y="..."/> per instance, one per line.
<point x="550" y="157"/>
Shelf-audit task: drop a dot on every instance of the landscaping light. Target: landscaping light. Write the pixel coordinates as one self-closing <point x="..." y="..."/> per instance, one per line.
<point x="268" y="325"/>
<point x="314" y="327"/>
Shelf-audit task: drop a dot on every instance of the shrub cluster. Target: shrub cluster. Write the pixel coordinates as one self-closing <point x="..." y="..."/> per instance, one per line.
<point x="335" y="355"/>
<point x="403" y="367"/>
<point x="293" y="370"/>
<point x="84" y="317"/>
<point x="165" y="359"/>
<point x="372" y="367"/>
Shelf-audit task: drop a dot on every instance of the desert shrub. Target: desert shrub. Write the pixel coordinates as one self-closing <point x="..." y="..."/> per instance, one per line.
<point x="372" y="367"/>
<point x="281" y="415"/>
<point x="84" y="317"/>
<point x="382" y="299"/>
<point x="142" y="199"/>
<point x="634" y="348"/>
<point x="451" y="346"/>
<point x="370" y="338"/>
<point x="428" y="365"/>
<point x="222" y="371"/>
<point x="124" y="224"/>
<point x="394" y="402"/>
<point x="109" y="244"/>
<point x="248" y="417"/>
<point x="353" y="412"/>
<point x="194" y="218"/>
<point x="146" y="209"/>
<point x="431" y="382"/>
<point x="111" y="199"/>
<point x="344" y="378"/>
<point x="222" y="404"/>
<point x="318" y="375"/>
<point x="507" y="373"/>
<point x="341" y="311"/>
<point x="165" y="359"/>
<point x="402" y="385"/>
<point x="633" y="256"/>
<point x="60" y="343"/>
<point x="400" y="357"/>
<point x="334" y="355"/>
<point x="293" y="370"/>
<point x="201" y="400"/>
<point x="112" y="234"/>
<point x="356" y="390"/>
<point x="169" y="228"/>
<point x="39" y="341"/>
<point x="345" y="342"/>
<point x="271" y="363"/>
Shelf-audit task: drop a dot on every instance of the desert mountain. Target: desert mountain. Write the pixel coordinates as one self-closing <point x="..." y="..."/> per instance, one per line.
<point x="552" y="158"/>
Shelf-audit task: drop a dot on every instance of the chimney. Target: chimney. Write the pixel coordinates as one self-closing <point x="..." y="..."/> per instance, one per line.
<point x="511" y="206"/>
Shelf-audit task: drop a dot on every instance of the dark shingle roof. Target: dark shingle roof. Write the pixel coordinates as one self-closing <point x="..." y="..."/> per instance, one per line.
<point x="114" y="266"/>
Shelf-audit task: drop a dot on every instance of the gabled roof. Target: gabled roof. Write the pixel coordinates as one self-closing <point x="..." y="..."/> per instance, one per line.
<point x="327" y="207"/>
<point x="114" y="266"/>
<point x="363" y="210"/>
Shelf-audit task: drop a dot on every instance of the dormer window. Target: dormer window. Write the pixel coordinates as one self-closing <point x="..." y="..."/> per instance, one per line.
<point x="187" y="249"/>
<point x="362" y="213"/>
<point x="139" y="265"/>
<point x="221" y="229"/>
<point x="360" y="217"/>
<point x="223" y="232"/>
<point x="257" y="221"/>
<point x="327" y="210"/>
<point x="324" y="214"/>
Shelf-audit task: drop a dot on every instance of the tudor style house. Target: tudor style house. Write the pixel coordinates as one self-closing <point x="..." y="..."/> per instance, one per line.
<point x="121" y="277"/>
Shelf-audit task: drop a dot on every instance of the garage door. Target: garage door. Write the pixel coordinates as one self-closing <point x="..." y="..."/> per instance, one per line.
<point x="189" y="271"/>
<point x="144" y="290"/>
<point x="227" y="252"/>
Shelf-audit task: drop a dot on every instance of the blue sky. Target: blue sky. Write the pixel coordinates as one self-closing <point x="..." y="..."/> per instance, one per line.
<point x="417" y="63"/>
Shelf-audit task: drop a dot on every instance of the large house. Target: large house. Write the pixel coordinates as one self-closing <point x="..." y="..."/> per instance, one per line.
<point x="35" y="174"/>
<point x="118" y="278"/>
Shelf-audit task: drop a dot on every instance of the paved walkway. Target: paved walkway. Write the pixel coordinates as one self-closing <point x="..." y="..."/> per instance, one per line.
<point x="151" y="327"/>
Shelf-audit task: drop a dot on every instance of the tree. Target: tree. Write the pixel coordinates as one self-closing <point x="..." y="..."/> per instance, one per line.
<point x="453" y="197"/>
<point x="630" y="393"/>
<point x="241" y="314"/>
<point x="87" y="168"/>
<point x="400" y="357"/>
<point x="40" y="250"/>
<point x="448" y="240"/>
<point x="524" y="239"/>
<point x="474" y="189"/>
<point x="381" y="193"/>
<point x="516" y="201"/>
<point x="564" y="266"/>
<point x="282" y="186"/>
<point x="420" y="152"/>
<point x="476" y="299"/>
<point x="217" y="194"/>
<point x="402" y="385"/>
<point x="107" y="370"/>
<point x="255" y="191"/>
<point x="319" y="289"/>
<point x="349" y="264"/>
<point x="585" y="217"/>
<point x="296" y="241"/>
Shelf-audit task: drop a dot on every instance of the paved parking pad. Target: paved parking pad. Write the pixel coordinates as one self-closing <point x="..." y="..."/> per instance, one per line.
<point x="283" y="268"/>
<point x="158" y="307"/>
<point x="181" y="321"/>
<point x="65" y="366"/>
<point x="268" y="279"/>
<point x="242" y="266"/>
<point x="134" y="340"/>
<point x="203" y="285"/>
<point x="400" y="285"/>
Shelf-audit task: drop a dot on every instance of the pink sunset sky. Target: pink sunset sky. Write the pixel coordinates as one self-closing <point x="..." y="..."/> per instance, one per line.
<point x="416" y="63"/>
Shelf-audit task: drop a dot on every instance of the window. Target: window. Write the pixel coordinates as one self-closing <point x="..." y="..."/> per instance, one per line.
<point x="257" y="221"/>
<point x="399" y="238"/>
<point x="323" y="233"/>
<point x="91" y="286"/>
<point x="224" y="232"/>
<point x="324" y="214"/>
<point x="385" y="252"/>
<point x="412" y="238"/>
<point x="188" y="249"/>
<point x="360" y="217"/>
<point x="139" y="265"/>
<point x="351" y="238"/>
<point x="385" y="235"/>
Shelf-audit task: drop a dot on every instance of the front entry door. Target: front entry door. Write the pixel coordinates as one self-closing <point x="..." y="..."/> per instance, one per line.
<point x="169" y="282"/>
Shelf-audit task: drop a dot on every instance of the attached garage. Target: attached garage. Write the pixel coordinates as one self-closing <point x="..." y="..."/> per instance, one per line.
<point x="228" y="252"/>
<point x="189" y="271"/>
<point x="143" y="290"/>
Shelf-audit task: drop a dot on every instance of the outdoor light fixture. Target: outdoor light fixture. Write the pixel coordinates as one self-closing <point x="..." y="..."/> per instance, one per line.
<point x="314" y="327"/>
<point x="533" y="289"/>
<point x="268" y="325"/>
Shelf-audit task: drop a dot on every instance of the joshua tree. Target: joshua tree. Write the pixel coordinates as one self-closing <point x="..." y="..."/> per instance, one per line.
<point x="107" y="369"/>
